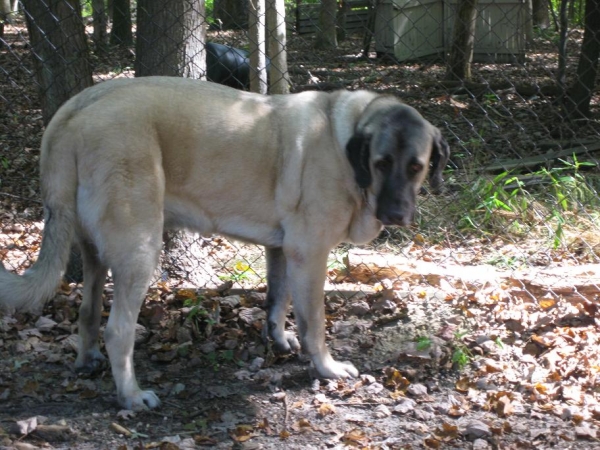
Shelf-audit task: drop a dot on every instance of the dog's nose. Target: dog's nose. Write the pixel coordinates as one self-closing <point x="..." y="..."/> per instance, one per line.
<point x="398" y="218"/>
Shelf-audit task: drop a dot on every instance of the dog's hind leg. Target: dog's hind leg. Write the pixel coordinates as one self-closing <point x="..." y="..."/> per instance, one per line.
<point x="132" y="265"/>
<point x="278" y="302"/>
<point x="89" y="357"/>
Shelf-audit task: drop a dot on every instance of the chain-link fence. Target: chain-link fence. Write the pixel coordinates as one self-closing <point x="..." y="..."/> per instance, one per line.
<point x="502" y="79"/>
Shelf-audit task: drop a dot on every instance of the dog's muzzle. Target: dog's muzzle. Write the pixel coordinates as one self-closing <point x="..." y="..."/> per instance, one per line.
<point x="397" y="217"/>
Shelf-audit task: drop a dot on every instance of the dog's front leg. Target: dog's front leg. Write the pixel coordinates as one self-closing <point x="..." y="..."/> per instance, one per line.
<point x="306" y="272"/>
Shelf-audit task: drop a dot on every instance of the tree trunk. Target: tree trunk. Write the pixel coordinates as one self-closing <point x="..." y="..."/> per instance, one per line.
<point x="541" y="15"/>
<point x="170" y="38"/>
<point x="59" y="49"/>
<point x="561" y="74"/>
<point x="258" y="56"/>
<point x="463" y="40"/>
<point x="231" y="14"/>
<point x="121" y="33"/>
<point x="60" y="53"/>
<point x="100" y="21"/>
<point x="7" y="8"/>
<point x="279" y="80"/>
<point x="326" y="37"/>
<point x="580" y="94"/>
<point x="342" y="14"/>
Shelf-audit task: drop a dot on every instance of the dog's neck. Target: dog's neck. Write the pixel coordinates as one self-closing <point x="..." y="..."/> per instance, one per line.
<point x="347" y="109"/>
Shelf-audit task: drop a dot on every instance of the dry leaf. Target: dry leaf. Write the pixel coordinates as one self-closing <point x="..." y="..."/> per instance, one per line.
<point x="355" y="436"/>
<point x="242" y="433"/>
<point x="326" y="409"/>
<point x="447" y="433"/>
<point x="432" y="443"/>
<point x="504" y="407"/>
<point x="284" y="434"/>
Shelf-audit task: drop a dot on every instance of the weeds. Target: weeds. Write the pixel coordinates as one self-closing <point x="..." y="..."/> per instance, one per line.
<point x="241" y="271"/>
<point x="203" y="315"/>
<point x="516" y="204"/>
<point x="461" y="355"/>
<point x="423" y="343"/>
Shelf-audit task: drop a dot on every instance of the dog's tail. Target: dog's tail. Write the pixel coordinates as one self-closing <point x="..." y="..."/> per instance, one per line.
<point x="30" y="291"/>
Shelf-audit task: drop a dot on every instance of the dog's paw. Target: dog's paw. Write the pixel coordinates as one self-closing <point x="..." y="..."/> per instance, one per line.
<point x="90" y="362"/>
<point x="140" y="401"/>
<point x="287" y="343"/>
<point x="283" y="341"/>
<point x="335" y="370"/>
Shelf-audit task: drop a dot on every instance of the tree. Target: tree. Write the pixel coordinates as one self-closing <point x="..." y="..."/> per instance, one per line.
<point x="59" y="49"/>
<point x="231" y="14"/>
<point x="60" y="54"/>
<point x="463" y="41"/>
<point x="580" y="94"/>
<point x="540" y="13"/>
<point x="326" y="37"/>
<point x="120" y="33"/>
<point x="170" y="38"/>
<point x="7" y="7"/>
<point x="258" y="55"/>
<point x="279" y="80"/>
<point x="100" y="21"/>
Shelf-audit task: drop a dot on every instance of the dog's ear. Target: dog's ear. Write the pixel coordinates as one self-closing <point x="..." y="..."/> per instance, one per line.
<point x="440" y="154"/>
<point x="359" y="155"/>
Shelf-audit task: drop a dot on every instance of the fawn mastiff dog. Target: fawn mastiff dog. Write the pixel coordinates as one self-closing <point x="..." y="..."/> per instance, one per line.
<point x="298" y="173"/>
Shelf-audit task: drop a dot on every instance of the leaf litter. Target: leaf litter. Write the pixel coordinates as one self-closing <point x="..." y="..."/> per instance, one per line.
<point x="530" y="365"/>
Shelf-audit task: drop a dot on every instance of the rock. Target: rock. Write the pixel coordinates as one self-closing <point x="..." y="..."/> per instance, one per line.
<point x="480" y="444"/>
<point x="384" y="305"/>
<point x="45" y="324"/>
<point x="382" y="411"/>
<point x="417" y="390"/>
<point x="141" y="334"/>
<point x="256" y="364"/>
<point x="405" y="406"/>
<point x="423" y="416"/>
<point x="477" y="429"/>
<point x="360" y="308"/>
<point x="231" y="301"/>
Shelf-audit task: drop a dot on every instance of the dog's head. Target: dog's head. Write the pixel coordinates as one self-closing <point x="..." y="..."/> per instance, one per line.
<point x="392" y="150"/>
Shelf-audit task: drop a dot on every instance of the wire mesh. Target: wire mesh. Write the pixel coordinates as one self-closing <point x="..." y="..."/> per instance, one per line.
<point x="521" y="187"/>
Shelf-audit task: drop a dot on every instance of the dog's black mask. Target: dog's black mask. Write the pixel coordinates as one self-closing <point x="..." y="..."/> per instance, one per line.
<point x="402" y="153"/>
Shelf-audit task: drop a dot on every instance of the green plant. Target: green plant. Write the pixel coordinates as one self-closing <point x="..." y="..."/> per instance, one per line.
<point x="461" y="355"/>
<point x="423" y="343"/>
<point x="569" y="185"/>
<point x="505" y="262"/>
<point x="201" y="316"/>
<point x="240" y="271"/>
<point x="490" y="202"/>
<point x="490" y="98"/>
<point x="498" y="342"/>
<point x="547" y="198"/>
<point x="217" y="358"/>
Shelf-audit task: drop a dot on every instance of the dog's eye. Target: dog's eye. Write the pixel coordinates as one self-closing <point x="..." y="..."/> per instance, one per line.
<point x="385" y="164"/>
<point x="414" y="168"/>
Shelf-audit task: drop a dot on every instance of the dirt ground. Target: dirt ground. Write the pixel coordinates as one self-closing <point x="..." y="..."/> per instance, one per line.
<point x="450" y="361"/>
<point x="441" y="367"/>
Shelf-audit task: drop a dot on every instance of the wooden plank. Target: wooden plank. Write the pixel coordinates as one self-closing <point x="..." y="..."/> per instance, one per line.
<point x="540" y="160"/>
<point x="307" y="17"/>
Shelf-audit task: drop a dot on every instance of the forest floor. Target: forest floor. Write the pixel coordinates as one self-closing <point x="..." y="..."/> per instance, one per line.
<point x="485" y="341"/>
